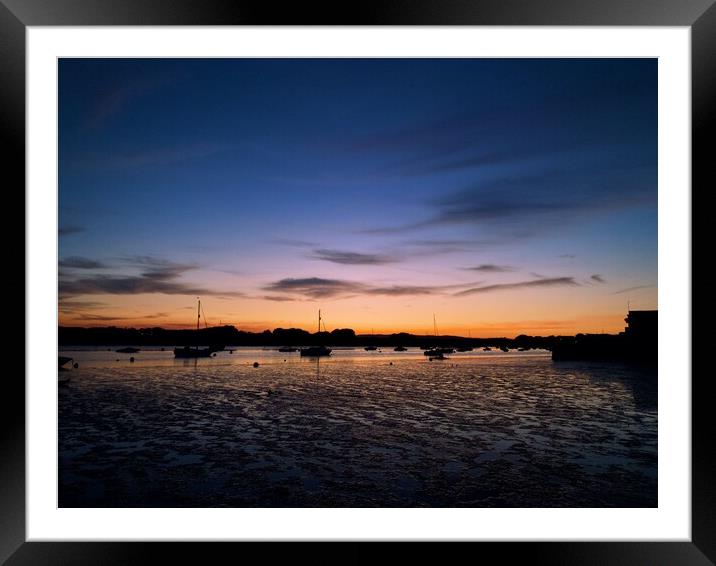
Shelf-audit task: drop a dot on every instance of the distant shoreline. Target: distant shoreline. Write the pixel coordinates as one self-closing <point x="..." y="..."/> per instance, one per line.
<point x="231" y="336"/>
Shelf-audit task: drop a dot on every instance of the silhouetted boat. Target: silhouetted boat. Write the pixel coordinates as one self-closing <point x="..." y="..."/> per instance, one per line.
<point x="196" y="352"/>
<point x="487" y="349"/>
<point x="504" y="348"/>
<point x="287" y="349"/>
<point x="400" y="349"/>
<point x="128" y="350"/>
<point x="522" y="349"/>
<point x="438" y="356"/>
<point x="436" y="351"/>
<point x="189" y="352"/>
<point x="316" y="351"/>
<point x="464" y="349"/>
<point x="371" y="348"/>
<point x="439" y="352"/>
<point x="61" y="361"/>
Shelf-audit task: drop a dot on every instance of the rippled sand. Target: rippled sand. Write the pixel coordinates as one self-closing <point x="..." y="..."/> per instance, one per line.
<point x="478" y="430"/>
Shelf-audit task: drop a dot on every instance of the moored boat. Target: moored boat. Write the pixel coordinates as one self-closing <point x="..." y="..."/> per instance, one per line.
<point x="439" y="351"/>
<point x="316" y="351"/>
<point x="196" y="352"/>
<point x="189" y="352"/>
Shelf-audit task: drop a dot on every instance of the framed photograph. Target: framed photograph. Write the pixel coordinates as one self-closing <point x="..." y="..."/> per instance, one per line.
<point x="420" y="275"/>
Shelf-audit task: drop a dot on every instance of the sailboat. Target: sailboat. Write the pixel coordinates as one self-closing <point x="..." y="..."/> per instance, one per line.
<point x="316" y="351"/>
<point x="437" y="353"/>
<point x="466" y="348"/>
<point x="371" y="348"/>
<point x="196" y="352"/>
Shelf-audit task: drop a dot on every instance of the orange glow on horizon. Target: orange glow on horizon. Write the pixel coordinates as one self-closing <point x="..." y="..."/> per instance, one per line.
<point x="611" y="324"/>
<point x="491" y="315"/>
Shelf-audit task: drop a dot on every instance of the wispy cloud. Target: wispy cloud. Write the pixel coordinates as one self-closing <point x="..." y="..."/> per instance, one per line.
<point x="535" y="283"/>
<point x="598" y="278"/>
<point x="630" y="289"/>
<point x="319" y="288"/>
<point x="404" y="290"/>
<point x="352" y="258"/>
<point x="94" y="317"/>
<point x="522" y="206"/>
<point x="67" y="306"/>
<point x="115" y="98"/>
<point x="122" y="160"/>
<point x="76" y="262"/>
<point x="315" y="287"/>
<point x="277" y="298"/>
<point x="158" y="268"/>
<point x="70" y="229"/>
<point x="490" y="268"/>
<point x="157" y="275"/>
<point x="292" y="243"/>
<point x="131" y="285"/>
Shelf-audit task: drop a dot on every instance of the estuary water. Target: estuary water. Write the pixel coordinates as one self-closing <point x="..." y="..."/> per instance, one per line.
<point x="358" y="429"/>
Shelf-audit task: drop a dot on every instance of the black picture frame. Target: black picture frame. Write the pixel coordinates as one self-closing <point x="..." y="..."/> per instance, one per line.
<point x="699" y="15"/>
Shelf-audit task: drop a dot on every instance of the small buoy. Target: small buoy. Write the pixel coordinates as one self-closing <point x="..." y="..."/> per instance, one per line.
<point x="75" y="365"/>
<point x="162" y="349"/>
<point x="391" y="363"/>
<point x="284" y="360"/>
<point x="256" y="364"/>
<point x="213" y="355"/>
<point x="131" y="359"/>
<point x="116" y="360"/>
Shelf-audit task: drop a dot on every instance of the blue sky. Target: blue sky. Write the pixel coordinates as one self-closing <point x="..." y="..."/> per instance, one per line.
<point x="274" y="186"/>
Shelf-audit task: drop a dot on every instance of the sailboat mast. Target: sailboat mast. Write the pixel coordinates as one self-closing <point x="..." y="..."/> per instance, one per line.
<point x="319" y="320"/>
<point x="435" y="325"/>
<point x="198" y="315"/>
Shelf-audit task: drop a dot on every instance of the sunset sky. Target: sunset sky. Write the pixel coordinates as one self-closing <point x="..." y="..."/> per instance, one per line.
<point x="506" y="196"/>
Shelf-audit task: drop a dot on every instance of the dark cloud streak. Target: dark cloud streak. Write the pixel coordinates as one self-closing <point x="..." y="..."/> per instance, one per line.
<point x="352" y="258"/>
<point x="158" y="276"/>
<point x="76" y="262"/>
<point x="490" y="268"/>
<point x="535" y="283"/>
<point x="630" y="289"/>
<point x="319" y="288"/>
<point x="69" y="230"/>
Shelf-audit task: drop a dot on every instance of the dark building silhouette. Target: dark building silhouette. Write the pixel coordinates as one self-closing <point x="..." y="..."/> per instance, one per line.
<point x="642" y="325"/>
<point x="638" y="343"/>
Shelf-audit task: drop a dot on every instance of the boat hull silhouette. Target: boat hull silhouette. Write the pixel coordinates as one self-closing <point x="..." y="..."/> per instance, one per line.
<point x="315" y="352"/>
<point x="188" y="352"/>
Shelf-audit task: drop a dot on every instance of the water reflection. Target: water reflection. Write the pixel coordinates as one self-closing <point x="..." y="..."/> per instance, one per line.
<point x="354" y="430"/>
